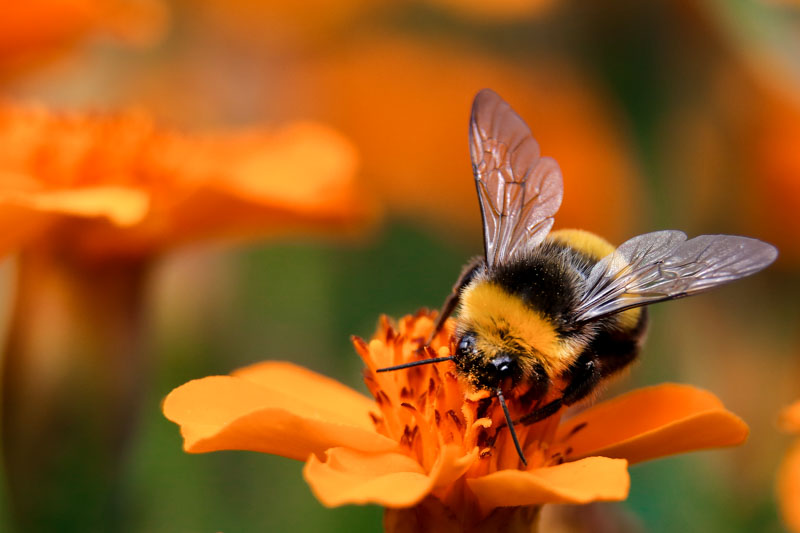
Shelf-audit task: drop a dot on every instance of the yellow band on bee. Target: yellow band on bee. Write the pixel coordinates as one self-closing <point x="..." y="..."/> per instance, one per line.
<point x="597" y="248"/>
<point x="503" y="322"/>
<point x="584" y="241"/>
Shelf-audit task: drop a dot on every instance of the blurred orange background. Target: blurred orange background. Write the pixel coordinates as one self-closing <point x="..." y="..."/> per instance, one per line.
<point x="304" y="168"/>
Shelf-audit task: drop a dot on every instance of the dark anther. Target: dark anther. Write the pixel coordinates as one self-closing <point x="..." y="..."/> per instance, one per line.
<point x="574" y="430"/>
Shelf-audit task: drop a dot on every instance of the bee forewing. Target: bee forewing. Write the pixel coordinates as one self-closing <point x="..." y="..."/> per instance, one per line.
<point x="663" y="265"/>
<point x="519" y="191"/>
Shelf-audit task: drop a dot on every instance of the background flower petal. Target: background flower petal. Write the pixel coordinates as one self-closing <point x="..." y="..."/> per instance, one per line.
<point x="790" y="418"/>
<point x="160" y="187"/>
<point x="123" y="206"/>
<point x="652" y="422"/>
<point x="231" y="413"/>
<point x="38" y="30"/>
<point x="349" y="476"/>
<point x="422" y="91"/>
<point x="586" y="480"/>
<point x="789" y="488"/>
<point x="268" y="170"/>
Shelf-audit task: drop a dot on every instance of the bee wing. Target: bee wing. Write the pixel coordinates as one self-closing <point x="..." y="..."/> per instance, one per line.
<point x="519" y="191"/>
<point x="663" y="265"/>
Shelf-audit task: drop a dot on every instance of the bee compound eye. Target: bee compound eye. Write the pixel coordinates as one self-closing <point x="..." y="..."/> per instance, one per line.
<point x="466" y="345"/>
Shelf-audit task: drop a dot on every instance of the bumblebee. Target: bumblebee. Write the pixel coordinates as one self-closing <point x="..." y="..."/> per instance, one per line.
<point x="542" y="309"/>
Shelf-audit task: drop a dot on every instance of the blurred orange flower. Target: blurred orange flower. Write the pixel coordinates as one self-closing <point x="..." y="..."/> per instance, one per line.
<point x="773" y="190"/>
<point x="732" y="140"/>
<point x="500" y="11"/>
<point x="734" y="156"/>
<point x="286" y="22"/>
<point x="118" y="185"/>
<point x="434" y="454"/>
<point x="89" y="201"/>
<point x="275" y="23"/>
<point x="789" y="471"/>
<point x="413" y="134"/>
<point x="36" y="29"/>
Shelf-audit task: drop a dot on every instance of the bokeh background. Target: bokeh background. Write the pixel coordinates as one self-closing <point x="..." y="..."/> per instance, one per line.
<point x="668" y="114"/>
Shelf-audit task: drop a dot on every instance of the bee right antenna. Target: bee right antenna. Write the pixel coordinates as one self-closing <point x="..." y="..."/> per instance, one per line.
<point x="511" y="427"/>
<point x="415" y="363"/>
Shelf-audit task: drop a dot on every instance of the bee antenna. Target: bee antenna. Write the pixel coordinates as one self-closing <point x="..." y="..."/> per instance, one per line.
<point x="511" y="427"/>
<point x="416" y="363"/>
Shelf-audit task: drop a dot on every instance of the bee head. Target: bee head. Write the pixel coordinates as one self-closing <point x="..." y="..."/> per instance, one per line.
<point x="503" y="366"/>
<point x="487" y="368"/>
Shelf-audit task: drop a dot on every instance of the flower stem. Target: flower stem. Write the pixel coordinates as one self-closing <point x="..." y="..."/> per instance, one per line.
<point x="72" y="381"/>
<point x="431" y="515"/>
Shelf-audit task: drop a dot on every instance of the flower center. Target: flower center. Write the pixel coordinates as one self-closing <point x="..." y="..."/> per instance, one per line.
<point x="427" y="407"/>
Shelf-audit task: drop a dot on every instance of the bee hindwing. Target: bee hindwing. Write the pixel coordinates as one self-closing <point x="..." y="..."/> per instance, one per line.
<point x="519" y="191"/>
<point x="663" y="265"/>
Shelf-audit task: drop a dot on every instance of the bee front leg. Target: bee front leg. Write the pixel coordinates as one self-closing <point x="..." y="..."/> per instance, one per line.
<point x="468" y="273"/>
<point x="582" y="378"/>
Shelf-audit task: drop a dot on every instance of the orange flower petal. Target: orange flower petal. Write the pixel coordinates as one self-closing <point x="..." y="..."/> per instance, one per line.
<point x="652" y="422"/>
<point x="269" y="172"/>
<point x="301" y="386"/>
<point x="416" y="126"/>
<point x="586" y="480"/>
<point x="388" y="479"/>
<point x="160" y="187"/>
<point x="789" y="488"/>
<point x="37" y="29"/>
<point x="225" y="413"/>
<point x="501" y="11"/>
<point x="348" y="476"/>
<point x="121" y="205"/>
<point x="451" y="464"/>
<point x="789" y="420"/>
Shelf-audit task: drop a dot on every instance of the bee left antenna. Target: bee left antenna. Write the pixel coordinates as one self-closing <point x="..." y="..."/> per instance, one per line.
<point x="415" y="363"/>
<point x="511" y="427"/>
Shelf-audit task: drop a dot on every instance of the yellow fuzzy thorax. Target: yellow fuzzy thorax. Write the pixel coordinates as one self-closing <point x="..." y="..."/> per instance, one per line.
<point x="503" y="323"/>
<point x="592" y="245"/>
<point x="597" y="248"/>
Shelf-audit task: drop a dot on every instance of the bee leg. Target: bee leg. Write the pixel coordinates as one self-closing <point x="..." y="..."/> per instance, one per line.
<point x="583" y="376"/>
<point x="616" y="351"/>
<point x="475" y="265"/>
<point x="540" y="413"/>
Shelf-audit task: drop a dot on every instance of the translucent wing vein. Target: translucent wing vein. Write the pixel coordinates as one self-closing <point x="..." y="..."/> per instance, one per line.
<point x="519" y="191"/>
<point x="663" y="265"/>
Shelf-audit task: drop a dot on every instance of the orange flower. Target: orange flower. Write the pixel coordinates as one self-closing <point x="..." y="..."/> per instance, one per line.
<point x="35" y="29"/>
<point x="89" y="201"/>
<point x="789" y="471"/>
<point x="772" y="194"/>
<point x="414" y="137"/>
<point x="501" y="11"/>
<point x="275" y="23"/>
<point x="117" y="184"/>
<point x="751" y="130"/>
<point x="433" y="453"/>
